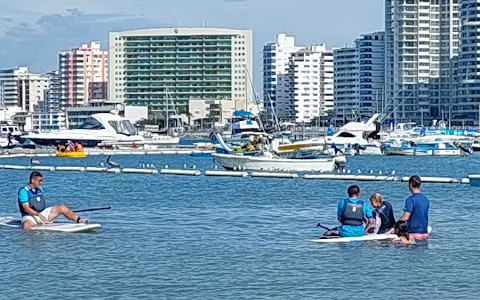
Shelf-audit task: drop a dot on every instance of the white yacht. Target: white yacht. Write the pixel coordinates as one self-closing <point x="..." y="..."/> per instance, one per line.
<point x="103" y="128"/>
<point x="360" y="133"/>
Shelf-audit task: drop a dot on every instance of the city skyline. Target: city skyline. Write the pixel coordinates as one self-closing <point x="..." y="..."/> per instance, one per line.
<point x="51" y="26"/>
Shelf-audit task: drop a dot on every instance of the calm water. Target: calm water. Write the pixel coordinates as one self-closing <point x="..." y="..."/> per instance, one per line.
<point x="235" y="238"/>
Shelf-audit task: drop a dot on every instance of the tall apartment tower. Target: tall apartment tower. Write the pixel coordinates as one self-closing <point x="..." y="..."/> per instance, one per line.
<point x="421" y="40"/>
<point x="346" y="80"/>
<point x="310" y="83"/>
<point x="359" y="78"/>
<point x="22" y="89"/>
<point x="166" y="68"/>
<point x="465" y="109"/>
<point x="276" y="58"/>
<point x="83" y="74"/>
<point x="52" y="94"/>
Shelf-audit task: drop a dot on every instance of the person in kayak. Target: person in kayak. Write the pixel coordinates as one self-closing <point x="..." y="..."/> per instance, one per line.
<point x="383" y="212"/>
<point x="401" y="230"/>
<point x="353" y="213"/>
<point x="416" y="209"/>
<point x="31" y="202"/>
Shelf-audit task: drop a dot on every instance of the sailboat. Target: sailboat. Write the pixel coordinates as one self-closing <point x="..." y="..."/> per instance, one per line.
<point x="155" y="139"/>
<point x="268" y="160"/>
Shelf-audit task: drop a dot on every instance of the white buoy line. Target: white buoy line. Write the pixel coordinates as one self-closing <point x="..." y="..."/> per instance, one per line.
<point x="114" y="152"/>
<point x="192" y="171"/>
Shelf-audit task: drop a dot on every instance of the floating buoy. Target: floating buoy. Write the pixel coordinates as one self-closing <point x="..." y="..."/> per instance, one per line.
<point x="181" y="172"/>
<point x="139" y="171"/>
<point x="274" y="175"/>
<point x="72" y="169"/>
<point x="225" y="173"/>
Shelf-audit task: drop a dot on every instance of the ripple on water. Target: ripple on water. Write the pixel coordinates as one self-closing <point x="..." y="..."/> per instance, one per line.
<point x="235" y="238"/>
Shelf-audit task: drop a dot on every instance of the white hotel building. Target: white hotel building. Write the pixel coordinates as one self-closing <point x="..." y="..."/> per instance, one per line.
<point x="298" y="81"/>
<point x="421" y="40"/>
<point x="276" y="92"/>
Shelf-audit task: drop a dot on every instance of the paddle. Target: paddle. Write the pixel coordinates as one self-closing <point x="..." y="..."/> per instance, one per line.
<point x="321" y="226"/>
<point x="92" y="209"/>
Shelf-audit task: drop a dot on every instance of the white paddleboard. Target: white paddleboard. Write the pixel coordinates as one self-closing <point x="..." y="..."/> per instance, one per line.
<point x="59" y="227"/>
<point x="370" y="237"/>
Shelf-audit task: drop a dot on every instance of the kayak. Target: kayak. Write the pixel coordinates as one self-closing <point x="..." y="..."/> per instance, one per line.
<point x="369" y="237"/>
<point x="56" y="226"/>
<point x="72" y="154"/>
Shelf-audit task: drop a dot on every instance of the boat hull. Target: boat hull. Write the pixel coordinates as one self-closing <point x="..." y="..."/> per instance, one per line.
<point x="261" y="163"/>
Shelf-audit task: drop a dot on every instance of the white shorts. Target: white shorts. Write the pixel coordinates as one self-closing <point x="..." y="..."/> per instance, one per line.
<point x="36" y="220"/>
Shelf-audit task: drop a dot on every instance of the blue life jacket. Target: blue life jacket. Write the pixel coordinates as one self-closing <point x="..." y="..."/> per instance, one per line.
<point x="36" y="200"/>
<point x="353" y="213"/>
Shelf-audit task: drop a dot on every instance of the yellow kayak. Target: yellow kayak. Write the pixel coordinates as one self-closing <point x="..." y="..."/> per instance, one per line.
<point x="72" y="154"/>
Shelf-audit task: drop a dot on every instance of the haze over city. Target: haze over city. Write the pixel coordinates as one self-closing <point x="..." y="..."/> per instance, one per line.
<point x="32" y="32"/>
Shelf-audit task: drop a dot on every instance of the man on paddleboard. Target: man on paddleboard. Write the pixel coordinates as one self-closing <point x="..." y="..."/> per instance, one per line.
<point x="415" y="211"/>
<point x="31" y="202"/>
<point x="353" y="213"/>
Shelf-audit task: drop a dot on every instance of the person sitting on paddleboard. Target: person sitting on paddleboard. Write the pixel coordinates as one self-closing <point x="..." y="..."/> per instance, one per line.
<point x="416" y="209"/>
<point x="31" y="202"/>
<point x="353" y="213"/>
<point x="382" y="211"/>
<point x="401" y="230"/>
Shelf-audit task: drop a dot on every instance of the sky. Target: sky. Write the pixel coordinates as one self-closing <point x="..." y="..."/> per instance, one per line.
<point x="33" y="31"/>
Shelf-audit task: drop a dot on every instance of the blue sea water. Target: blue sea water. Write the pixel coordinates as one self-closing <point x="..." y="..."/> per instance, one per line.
<point x="173" y="237"/>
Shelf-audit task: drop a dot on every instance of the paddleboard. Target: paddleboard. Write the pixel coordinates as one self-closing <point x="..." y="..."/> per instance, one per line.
<point x="56" y="226"/>
<point x="370" y="237"/>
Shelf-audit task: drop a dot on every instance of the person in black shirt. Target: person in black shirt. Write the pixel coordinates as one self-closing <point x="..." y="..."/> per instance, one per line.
<point x="382" y="210"/>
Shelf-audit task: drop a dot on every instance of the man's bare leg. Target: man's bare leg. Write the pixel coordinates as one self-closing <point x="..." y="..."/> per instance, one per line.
<point x="62" y="209"/>
<point x="26" y="225"/>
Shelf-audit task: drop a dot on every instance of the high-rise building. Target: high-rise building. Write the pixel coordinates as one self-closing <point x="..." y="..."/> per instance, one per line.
<point x="421" y="40"/>
<point x="371" y="65"/>
<point x="52" y="94"/>
<point x="465" y="108"/>
<point x="310" y="83"/>
<point x="2" y="96"/>
<point x="276" y="92"/>
<point x="346" y="81"/>
<point x="165" y="68"/>
<point x="22" y="89"/>
<point x="83" y="74"/>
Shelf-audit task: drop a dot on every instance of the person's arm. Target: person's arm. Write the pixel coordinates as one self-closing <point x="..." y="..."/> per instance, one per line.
<point x="391" y="215"/>
<point x="23" y="197"/>
<point x="367" y="211"/>
<point x="341" y="208"/>
<point x="407" y="210"/>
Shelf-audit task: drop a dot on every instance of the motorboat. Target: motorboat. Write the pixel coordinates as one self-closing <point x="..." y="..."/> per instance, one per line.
<point x="103" y="128"/>
<point x="352" y="133"/>
<point x="436" y="148"/>
<point x="269" y="162"/>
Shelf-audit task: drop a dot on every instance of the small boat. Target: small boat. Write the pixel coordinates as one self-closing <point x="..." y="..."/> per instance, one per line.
<point x="267" y="161"/>
<point x="72" y="154"/>
<point x="436" y="148"/>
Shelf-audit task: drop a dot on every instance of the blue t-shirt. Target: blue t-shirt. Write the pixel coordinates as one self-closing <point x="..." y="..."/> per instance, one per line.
<point x="352" y="230"/>
<point x="418" y="206"/>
